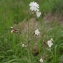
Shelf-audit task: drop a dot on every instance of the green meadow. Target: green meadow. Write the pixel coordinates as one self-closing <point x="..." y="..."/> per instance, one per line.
<point x="21" y="45"/>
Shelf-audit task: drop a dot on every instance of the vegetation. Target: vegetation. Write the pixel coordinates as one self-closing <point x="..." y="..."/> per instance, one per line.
<point x="14" y="12"/>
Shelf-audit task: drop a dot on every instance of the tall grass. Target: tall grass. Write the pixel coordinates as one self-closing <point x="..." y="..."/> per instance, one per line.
<point x="11" y="50"/>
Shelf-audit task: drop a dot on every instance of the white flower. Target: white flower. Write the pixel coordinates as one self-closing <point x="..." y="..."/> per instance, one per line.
<point x="34" y="6"/>
<point x="49" y="42"/>
<point x="41" y="60"/>
<point x="38" y="14"/>
<point x="12" y="31"/>
<point x="34" y="9"/>
<point x="11" y="27"/>
<point x="23" y="45"/>
<point x="37" y="32"/>
<point x="51" y="39"/>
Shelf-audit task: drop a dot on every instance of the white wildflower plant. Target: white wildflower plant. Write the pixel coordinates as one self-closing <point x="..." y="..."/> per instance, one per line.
<point x="37" y="32"/>
<point x="35" y="7"/>
<point x="50" y="42"/>
<point x="41" y="60"/>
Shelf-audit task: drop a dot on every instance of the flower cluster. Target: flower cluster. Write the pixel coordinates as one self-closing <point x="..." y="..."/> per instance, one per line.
<point x="35" y="7"/>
